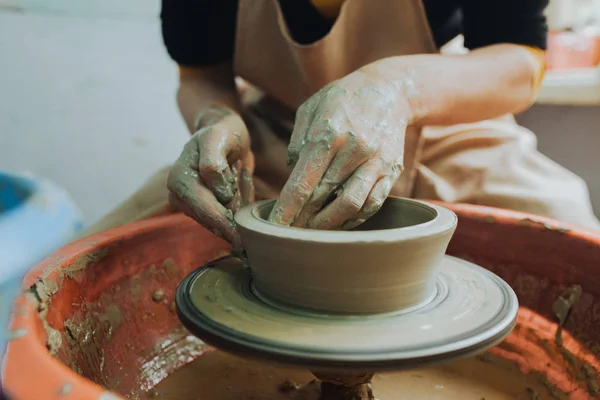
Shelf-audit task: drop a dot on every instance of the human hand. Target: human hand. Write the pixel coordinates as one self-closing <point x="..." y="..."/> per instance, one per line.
<point x="212" y="177"/>
<point x="347" y="151"/>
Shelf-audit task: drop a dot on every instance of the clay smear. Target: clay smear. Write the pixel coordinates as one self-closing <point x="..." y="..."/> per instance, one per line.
<point x="219" y="376"/>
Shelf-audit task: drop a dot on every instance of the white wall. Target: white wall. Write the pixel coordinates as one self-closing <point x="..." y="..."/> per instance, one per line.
<point x="90" y="8"/>
<point x="570" y="136"/>
<point x="88" y="102"/>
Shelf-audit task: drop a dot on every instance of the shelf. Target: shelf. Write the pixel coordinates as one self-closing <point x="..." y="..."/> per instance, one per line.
<point x="577" y="87"/>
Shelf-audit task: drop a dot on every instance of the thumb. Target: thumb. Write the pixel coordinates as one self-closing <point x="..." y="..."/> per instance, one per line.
<point x="221" y="145"/>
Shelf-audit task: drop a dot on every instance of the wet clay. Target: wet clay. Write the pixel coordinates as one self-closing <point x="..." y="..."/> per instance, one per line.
<point x="401" y="247"/>
<point x="220" y="376"/>
<point x="330" y="391"/>
<point x="562" y="308"/>
<point x="41" y="292"/>
<point x="345" y="386"/>
<point x="83" y="339"/>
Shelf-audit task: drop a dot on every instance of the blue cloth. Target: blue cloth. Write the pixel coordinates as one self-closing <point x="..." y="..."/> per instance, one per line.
<point x="36" y="218"/>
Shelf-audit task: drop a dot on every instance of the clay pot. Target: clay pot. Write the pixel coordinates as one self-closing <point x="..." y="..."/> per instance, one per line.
<point x="389" y="263"/>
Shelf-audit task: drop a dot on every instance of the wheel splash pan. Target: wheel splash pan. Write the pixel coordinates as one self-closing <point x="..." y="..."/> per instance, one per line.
<point x="96" y="320"/>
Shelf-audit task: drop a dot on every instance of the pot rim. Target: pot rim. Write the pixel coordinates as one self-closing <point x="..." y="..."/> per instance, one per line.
<point x="443" y="221"/>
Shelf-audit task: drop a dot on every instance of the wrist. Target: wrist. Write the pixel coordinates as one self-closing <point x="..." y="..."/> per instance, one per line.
<point x="395" y="76"/>
<point x="211" y="114"/>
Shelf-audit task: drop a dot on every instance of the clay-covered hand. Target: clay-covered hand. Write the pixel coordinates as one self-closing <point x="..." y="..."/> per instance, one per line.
<point x="212" y="177"/>
<point x="347" y="151"/>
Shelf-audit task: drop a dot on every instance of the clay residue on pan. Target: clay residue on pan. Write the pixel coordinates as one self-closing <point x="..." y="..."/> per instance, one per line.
<point x="135" y="287"/>
<point x="581" y="371"/>
<point x="158" y="295"/>
<point x="533" y="348"/>
<point x="177" y="350"/>
<point x="82" y="262"/>
<point x="330" y="391"/>
<point x="550" y="227"/>
<point x="529" y="287"/>
<point x="41" y="292"/>
<point x="562" y="309"/>
<point x="88" y="331"/>
<point x="170" y="267"/>
<point x="546" y="390"/>
<point x="345" y="386"/>
<point x="344" y="379"/>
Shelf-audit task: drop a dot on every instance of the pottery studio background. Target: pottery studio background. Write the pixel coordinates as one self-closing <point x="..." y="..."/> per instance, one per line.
<point x="87" y="96"/>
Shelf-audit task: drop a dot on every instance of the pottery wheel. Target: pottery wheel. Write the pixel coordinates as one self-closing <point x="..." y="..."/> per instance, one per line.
<point x="470" y="311"/>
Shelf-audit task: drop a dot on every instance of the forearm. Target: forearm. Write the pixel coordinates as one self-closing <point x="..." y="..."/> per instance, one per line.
<point x="454" y="89"/>
<point x="202" y="89"/>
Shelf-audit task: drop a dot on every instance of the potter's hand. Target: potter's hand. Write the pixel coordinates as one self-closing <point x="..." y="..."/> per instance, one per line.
<point x="347" y="150"/>
<point x="213" y="176"/>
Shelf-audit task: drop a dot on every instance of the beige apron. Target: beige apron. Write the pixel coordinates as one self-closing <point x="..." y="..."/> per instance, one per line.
<point x="267" y="57"/>
<point x="493" y="163"/>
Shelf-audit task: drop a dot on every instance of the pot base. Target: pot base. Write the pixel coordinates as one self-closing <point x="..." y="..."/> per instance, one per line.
<point x="470" y="310"/>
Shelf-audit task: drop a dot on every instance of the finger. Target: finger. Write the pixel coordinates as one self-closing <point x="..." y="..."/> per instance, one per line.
<point x="197" y="201"/>
<point x="212" y="164"/>
<point x="246" y="187"/>
<point x="224" y="229"/>
<point x="312" y="164"/>
<point x="304" y="116"/>
<point x="343" y="165"/>
<point x="374" y="201"/>
<point x="246" y="181"/>
<point x="349" y="201"/>
<point x="219" y="146"/>
<point x="248" y="161"/>
<point x="236" y="203"/>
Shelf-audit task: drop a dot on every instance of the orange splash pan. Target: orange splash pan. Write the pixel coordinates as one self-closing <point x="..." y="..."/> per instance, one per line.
<point x="96" y="320"/>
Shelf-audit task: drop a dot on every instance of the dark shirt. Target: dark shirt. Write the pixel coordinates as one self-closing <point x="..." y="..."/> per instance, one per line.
<point x="202" y="32"/>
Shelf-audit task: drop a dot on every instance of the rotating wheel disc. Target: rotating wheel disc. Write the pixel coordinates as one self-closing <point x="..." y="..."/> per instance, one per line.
<point x="470" y="311"/>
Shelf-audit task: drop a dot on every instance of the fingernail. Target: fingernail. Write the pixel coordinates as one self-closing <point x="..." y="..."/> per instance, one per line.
<point x="225" y="190"/>
<point x="236" y="203"/>
<point x="318" y="223"/>
<point x="292" y="158"/>
<point x="275" y="215"/>
<point x="223" y="194"/>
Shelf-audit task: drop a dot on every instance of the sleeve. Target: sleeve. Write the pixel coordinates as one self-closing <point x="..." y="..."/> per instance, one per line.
<point x="488" y="22"/>
<point x="539" y="61"/>
<point x="199" y="32"/>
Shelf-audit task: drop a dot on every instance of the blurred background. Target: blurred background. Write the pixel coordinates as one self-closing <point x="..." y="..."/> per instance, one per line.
<point x="87" y="95"/>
